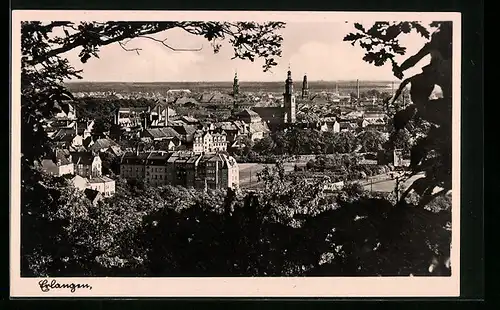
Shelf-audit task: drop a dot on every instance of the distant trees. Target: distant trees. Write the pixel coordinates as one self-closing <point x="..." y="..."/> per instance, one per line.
<point x="306" y="141"/>
<point x="101" y="128"/>
<point x="371" y="140"/>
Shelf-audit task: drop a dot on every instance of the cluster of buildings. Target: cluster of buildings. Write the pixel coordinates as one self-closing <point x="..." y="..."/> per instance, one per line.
<point x="77" y="155"/>
<point x="173" y="132"/>
<point x="181" y="168"/>
<point x="183" y="150"/>
<point x="84" y="170"/>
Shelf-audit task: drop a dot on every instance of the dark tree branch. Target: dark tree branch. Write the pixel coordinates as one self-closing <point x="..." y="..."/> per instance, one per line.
<point x="171" y="48"/>
<point x="67" y="47"/>
<point x="122" y="45"/>
<point x="413" y="60"/>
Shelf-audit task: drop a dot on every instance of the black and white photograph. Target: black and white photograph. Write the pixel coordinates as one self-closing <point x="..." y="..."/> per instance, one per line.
<point x="194" y="150"/>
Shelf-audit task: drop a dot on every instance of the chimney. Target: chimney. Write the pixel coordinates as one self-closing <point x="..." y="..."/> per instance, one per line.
<point x="166" y="115"/>
<point x="357" y="88"/>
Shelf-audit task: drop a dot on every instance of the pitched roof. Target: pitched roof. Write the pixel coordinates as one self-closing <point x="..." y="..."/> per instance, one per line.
<point x="183" y="157"/>
<point x="82" y="158"/>
<point x="92" y="194"/>
<point x="157" y="158"/>
<point x="225" y="160"/>
<point x="162" y="133"/>
<point x="214" y="97"/>
<point x="70" y="106"/>
<point x="270" y="113"/>
<point x="186" y="130"/>
<point x="258" y="127"/>
<point x="189" y="119"/>
<point x="100" y="144"/>
<point x="186" y="100"/>
<point x="60" y="157"/>
<point x="130" y="158"/>
<point x="226" y="126"/>
<point x="249" y="114"/>
<point x="64" y="135"/>
<point x="101" y="179"/>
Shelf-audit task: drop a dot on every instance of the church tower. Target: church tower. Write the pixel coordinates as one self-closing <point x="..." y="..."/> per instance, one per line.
<point x="289" y="99"/>
<point x="236" y="85"/>
<point x="305" y="88"/>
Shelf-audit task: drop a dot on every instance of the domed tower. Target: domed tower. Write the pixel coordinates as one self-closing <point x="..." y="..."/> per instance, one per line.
<point x="289" y="99"/>
<point x="305" y="88"/>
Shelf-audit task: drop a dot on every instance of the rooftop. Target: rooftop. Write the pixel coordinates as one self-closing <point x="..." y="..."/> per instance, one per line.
<point x="101" y="179"/>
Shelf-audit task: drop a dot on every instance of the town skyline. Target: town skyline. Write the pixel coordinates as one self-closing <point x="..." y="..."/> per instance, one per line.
<point x="313" y="49"/>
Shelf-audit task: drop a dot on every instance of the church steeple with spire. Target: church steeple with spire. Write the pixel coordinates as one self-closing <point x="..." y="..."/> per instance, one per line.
<point x="289" y="99"/>
<point x="236" y="85"/>
<point x="305" y="88"/>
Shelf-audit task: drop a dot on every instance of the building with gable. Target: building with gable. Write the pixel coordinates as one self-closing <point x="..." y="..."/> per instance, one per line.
<point x="103" y="185"/>
<point x="210" y="141"/>
<point x="58" y="164"/>
<point x="87" y="164"/>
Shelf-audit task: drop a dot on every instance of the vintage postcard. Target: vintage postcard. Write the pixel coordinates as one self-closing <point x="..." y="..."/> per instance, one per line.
<point x="235" y="154"/>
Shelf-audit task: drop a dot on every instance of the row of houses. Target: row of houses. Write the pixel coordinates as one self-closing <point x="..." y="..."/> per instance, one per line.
<point x="339" y="125"/>
<point x="187" y="133"/>
<point x="181" y="168"/>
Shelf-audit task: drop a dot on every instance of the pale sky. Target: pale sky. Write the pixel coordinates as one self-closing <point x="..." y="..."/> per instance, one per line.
<point x="317" y="49"/>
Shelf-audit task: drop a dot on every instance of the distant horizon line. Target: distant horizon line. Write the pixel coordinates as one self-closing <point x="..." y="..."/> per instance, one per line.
<point x="230" y="81"/>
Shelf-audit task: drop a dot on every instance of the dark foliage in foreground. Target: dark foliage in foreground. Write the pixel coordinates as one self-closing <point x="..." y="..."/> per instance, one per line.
<point x="285" y="230"/>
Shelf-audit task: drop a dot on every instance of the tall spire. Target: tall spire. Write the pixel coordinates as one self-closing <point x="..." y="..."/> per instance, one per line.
<point x="357" y="90"/>
<point x="289" y="100"/>
<point x="236" y="85"/>
<point x="305" y="87"/>
<point x="289" y="83"/>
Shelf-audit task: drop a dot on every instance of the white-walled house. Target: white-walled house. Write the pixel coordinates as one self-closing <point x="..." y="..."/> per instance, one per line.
<point x="60" y="165"/>
<point x="80" y="182"/>
<point x="103" y="184"/>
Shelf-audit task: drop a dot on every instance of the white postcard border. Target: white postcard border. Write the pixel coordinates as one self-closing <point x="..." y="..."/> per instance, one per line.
<point x="235" y="286"/>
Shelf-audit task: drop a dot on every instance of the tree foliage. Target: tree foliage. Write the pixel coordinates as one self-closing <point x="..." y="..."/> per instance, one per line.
<point x="290" y="228"/>
<point x="427" y="120"/>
